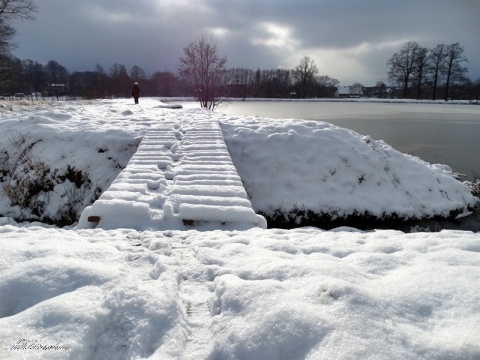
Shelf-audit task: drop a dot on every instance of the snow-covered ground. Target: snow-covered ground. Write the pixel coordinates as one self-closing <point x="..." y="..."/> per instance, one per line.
<point x="223" y="294"/>
<point x="57" y="159"/>
<point x="257" y="294"/>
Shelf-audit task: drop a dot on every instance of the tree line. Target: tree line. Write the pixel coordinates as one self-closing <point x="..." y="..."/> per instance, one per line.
<point x="414" y="72"/>
<point x="53" y="79"/>
<point x="424" y="73"/>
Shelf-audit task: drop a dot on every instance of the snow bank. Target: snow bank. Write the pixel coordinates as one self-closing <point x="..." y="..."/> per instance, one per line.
<point x="255" y="294"/>
<point x="335" y="171"/>
<point x="273" y="294"/>
<point x="298" y="168"/>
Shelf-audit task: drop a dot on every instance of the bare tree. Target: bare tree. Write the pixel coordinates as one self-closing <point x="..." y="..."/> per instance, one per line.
<point x="238" y="76"/>
<point x="202" y="66"/>
<point x="137" y="73"/>
<point x="6" y="35"/>
<point x="401" y="65"/>
<point x="436" y="58"/>
<point x="419" y="68"/>
<point x="357" y="89"/>
<point x="326" y="86"/>
<point x="18" y="9"/>
<point x="327" y="81"/>
<point x="120" y="81"/>
<point x="163" y="83"/>
<point x="57" y="77"/>
<point x="305" y="74"/>
<point x="9" y="10"/>
<point x="454" y="70"/>
<point x="99" y="69"/>
<point x="56" y="73"/>
<point x="35" y="76"/>
<point x="381" y="89"/>
<point x="100" y="83"/>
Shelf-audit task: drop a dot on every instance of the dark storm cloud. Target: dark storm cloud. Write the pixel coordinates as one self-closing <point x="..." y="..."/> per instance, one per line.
<point x="349" y="40"/>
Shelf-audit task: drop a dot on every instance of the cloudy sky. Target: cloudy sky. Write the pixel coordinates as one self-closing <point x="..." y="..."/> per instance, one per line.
<point x="350" y="40"/>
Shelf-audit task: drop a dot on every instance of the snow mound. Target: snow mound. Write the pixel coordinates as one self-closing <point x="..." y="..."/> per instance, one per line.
<point x="289" y="165"/>
<point x="255" y="294"/>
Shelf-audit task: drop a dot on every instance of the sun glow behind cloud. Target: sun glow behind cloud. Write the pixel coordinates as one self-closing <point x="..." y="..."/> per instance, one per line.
<point x="276" y="36"/>
<point x="111" y="16"/>
<point x="348" y="65"/>
<point x="219" y="32"/>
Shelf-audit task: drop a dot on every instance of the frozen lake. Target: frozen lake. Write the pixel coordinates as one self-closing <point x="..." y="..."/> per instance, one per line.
<point x="437" y="133"/>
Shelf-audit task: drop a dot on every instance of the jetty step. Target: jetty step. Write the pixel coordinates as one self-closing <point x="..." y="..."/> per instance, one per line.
<point x="181" y="177"/>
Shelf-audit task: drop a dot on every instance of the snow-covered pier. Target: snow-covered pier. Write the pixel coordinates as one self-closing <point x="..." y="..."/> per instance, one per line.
<point x="182" y="176"/>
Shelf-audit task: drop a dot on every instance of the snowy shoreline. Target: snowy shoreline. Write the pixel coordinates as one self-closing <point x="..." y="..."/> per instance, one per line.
<point x="258" y="294"/>
<point x="58" y="159"/>
<point x="366" y="100"/>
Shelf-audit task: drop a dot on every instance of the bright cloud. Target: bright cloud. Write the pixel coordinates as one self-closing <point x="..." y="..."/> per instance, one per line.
<point x="219" y="31"/>
<point x="332" y="62"/>
<point x="106" y="15"/>
<point x="276" y="36"/>
<point x="348" y="65"/>
<point x="342" y="36"/>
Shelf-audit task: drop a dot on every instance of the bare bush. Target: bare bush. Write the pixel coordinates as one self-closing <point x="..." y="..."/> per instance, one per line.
<point x="45" y="194"/>
<point x="474" y="185"/>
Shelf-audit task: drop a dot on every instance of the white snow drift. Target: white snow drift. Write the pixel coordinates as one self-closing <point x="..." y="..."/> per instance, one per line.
<point x="283" y="164"/>
<point x="273" y="294"/>
<point x="254" y="294"/>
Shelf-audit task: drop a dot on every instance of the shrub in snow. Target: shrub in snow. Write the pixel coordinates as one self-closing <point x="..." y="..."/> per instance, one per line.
<point x="40" y="192"/>
<point x="474" y="185"/>
<point x="304" y="217"/>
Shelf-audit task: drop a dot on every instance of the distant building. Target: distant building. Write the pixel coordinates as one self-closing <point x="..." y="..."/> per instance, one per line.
<point x="57" y="90"/>
<point x="57" y="87"/>
<point x="348" y="92"/>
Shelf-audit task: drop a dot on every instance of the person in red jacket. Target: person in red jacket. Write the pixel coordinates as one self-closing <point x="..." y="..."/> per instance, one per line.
<point x="136" y="92"/>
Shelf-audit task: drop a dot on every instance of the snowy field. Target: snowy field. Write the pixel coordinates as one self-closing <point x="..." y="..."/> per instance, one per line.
<point x="255" y="294"/>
